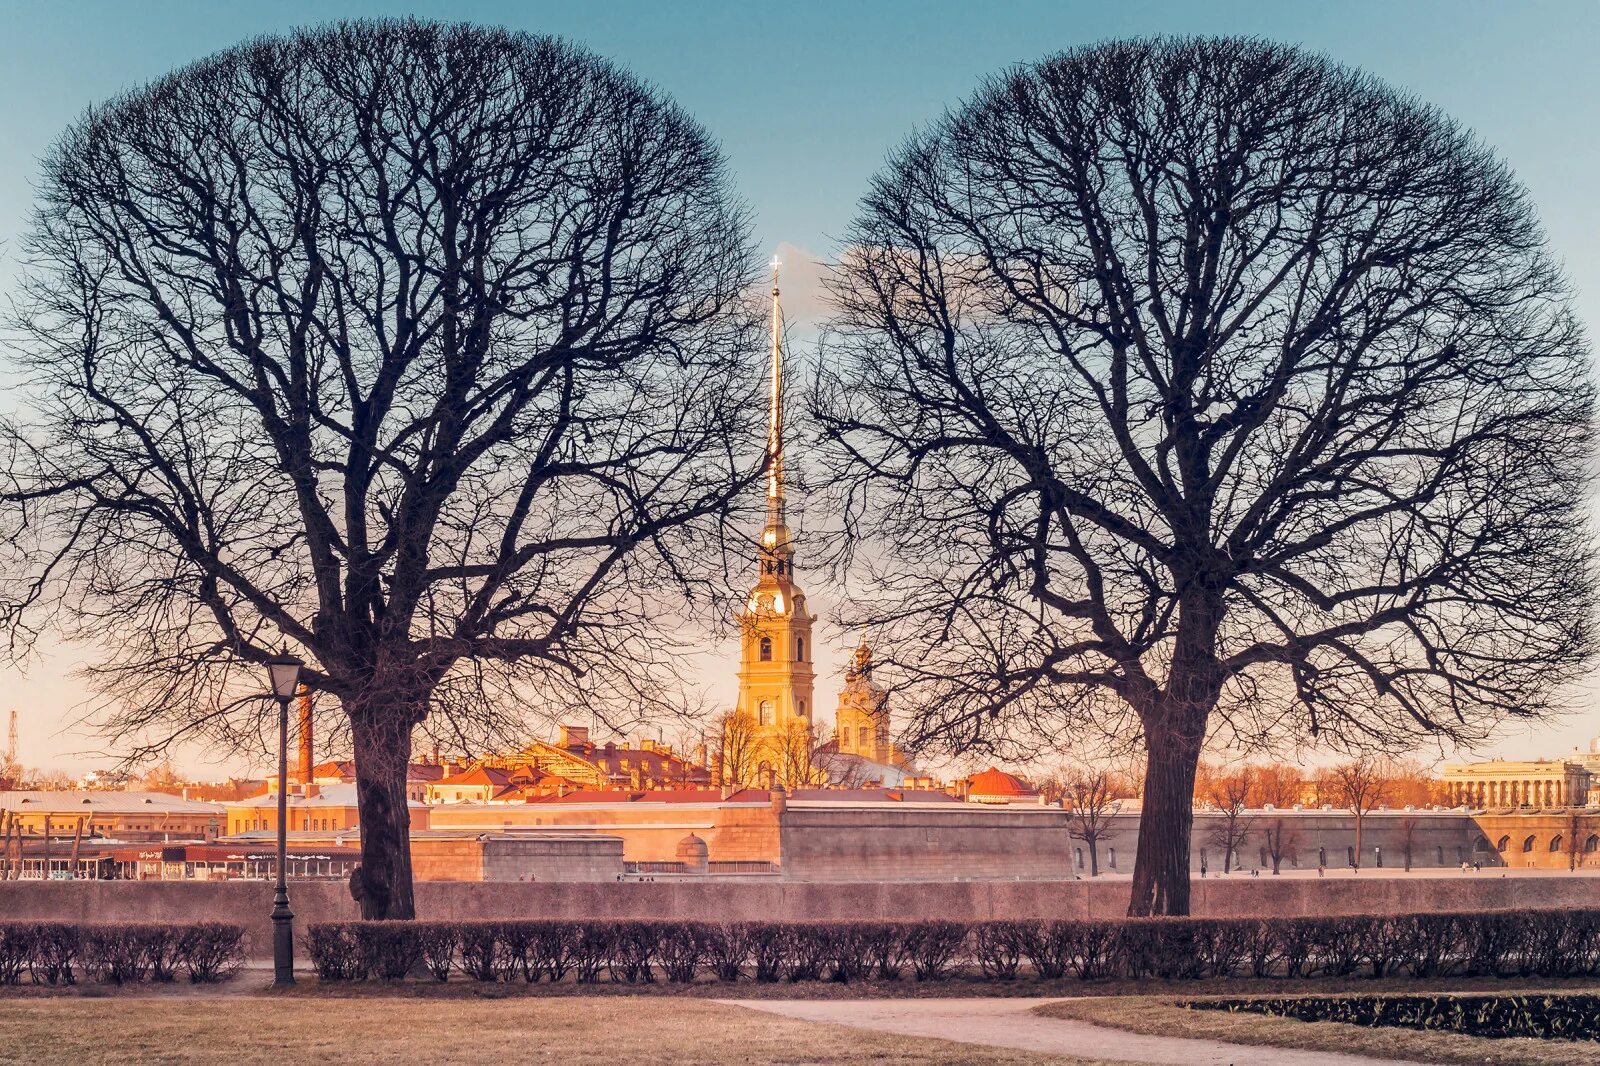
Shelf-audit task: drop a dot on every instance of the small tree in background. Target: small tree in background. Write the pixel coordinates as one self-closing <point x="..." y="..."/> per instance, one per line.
<point x="1279" y="787"/>
<point x="1091" y="800"/>
<point x="1360" y="786"/>
<point x="736" y="748"/>
<point x="1229" y="795"/>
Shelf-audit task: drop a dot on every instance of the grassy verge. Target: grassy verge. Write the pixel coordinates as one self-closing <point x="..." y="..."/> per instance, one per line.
<point x="1161" y="1016"/>
<point x="268" y="1029"/>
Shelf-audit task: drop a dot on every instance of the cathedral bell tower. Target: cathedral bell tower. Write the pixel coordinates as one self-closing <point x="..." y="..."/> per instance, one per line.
<point x="775" y="664"/>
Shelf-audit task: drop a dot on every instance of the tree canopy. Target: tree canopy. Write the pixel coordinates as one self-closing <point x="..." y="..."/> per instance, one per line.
<point x="1206" y="388"/>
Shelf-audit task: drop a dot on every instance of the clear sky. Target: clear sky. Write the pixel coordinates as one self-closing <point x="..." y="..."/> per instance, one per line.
<point x="808" y="97"/>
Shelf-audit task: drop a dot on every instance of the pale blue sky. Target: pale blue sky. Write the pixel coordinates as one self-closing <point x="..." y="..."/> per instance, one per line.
<point x="808" y="97"/>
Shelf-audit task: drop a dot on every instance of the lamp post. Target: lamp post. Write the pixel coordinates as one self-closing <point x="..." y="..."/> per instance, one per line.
<point x="284" y="673"/>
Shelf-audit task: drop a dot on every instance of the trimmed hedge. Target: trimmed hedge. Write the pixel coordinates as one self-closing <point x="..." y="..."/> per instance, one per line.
<point x="1560" y="1017"/>
<point x="60" y="953"/>
<point x="1552" y="943"/>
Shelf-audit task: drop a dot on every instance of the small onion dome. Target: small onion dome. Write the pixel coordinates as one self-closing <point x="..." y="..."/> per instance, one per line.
<point x="693" y="850"/>
<point x="996" y="782"/>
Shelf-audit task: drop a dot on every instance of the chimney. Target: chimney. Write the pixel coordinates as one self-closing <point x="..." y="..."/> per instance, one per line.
<point x="574" y="736"/>
<point x="306" y="760"/>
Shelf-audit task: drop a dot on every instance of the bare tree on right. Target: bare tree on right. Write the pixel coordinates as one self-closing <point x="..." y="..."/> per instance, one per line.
<point x="1206" y="391"/>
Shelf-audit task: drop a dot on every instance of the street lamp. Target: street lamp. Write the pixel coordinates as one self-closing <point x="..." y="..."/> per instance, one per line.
<point x="284" y="673"/>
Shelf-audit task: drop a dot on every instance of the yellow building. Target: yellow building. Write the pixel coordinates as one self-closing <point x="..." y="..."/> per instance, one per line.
<point x="861" y="723"/>
<point x="121" y="815"/>
<point x="1501" y="784"/>
<point x="776" y="675"/>
<point x="311" y="809"/>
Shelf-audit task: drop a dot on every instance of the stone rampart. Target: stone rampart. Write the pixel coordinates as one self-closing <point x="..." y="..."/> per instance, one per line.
<point x="312" y="901"/>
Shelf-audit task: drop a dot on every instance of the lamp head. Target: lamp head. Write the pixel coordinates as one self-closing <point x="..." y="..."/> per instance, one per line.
<point x="284" y="673"/>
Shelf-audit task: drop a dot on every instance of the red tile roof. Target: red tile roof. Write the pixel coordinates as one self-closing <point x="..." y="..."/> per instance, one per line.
<point x="478" y="775"/>
<point x="995" y="782"/>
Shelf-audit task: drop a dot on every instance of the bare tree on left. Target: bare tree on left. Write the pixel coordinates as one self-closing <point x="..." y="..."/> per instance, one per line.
<point x="416" y="349"/>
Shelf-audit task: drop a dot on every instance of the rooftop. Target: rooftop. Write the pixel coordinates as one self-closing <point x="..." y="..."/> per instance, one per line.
<point x="98" y="802"/>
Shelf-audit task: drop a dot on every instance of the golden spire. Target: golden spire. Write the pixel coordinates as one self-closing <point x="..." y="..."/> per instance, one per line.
<point x="775" y="517"/>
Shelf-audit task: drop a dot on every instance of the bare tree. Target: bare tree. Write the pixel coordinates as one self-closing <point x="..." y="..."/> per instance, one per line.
<point x="795" y="750"/>
<point x="1360" y="786"/>
<point x="1191" y="389"/>
<point x="417" y="349"/>
<point x="1279" y="787"/>
<point x="1090" y="799"/>
<point x="1229" y="795"/>
<point x="1408" y="839"/>
<point x="737" y="749"/>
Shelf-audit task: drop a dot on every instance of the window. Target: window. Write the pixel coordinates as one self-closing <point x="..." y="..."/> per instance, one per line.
<point x="863" y="736"/>
<point x="799" y="649"/>
<point x="1350" y="856"/>
<point x="764" y="715"/>
<point x="1079" y="857"/>
<point x="1322" y="856"/>
<point x="1592" y="844"/>
<point x="1505" y="842"/>
<point x="1527" y="845"/>
<point x="802" y="708"/>
<point x="766" y="649"/>
<point x="1440" y="860"/>
<point x="1555" y="843"/>
<point x="1111" y="858"/>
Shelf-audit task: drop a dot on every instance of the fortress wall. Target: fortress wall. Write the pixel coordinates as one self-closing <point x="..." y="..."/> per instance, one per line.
<point x="251" y="902"/>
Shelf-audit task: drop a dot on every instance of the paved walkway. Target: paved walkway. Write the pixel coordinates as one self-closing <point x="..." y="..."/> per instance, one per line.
<point x="1010" y="1023"/>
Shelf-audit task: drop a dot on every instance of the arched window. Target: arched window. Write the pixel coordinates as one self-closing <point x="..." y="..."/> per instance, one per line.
<point x="766" y="649"/>
<point x="1079" y="852"/>
<point x="1592" y="844"/>
<point x="802" y="708"/>
<point x="1505" y="842"/>
<point x="1111" y="859"/>
<point x="799" y="649"/>
<point x="764" y="712"/>
<point x="1527" y="845"/>
<point x="863" y="732"/>
<point x="1555" y="843"/>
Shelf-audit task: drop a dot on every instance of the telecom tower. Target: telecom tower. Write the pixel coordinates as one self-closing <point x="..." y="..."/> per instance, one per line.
<point x="11" y="739"/>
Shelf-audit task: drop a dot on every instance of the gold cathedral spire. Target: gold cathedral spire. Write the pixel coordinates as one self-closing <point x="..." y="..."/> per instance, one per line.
<point x="775" y="532"/>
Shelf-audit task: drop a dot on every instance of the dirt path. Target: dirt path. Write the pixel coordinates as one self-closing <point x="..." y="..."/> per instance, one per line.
<point x="1010" y="1023"/>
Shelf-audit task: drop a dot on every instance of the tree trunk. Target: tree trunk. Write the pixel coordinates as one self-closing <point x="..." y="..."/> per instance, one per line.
<point x="382" y="741"/>
<point x="1355" y="863"/>
<point x="1161" y="865"/>
<point x="1094" y="858"/>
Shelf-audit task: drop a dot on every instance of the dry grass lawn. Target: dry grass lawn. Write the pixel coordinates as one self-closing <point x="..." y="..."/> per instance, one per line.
<point x="131" y="1028"/>
<point x="1161" y="1016"/>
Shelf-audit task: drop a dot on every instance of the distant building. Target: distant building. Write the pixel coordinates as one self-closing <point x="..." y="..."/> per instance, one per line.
<point x="311" y="809"/>
<point x="996" y="786"/>
<point x="122" y="815"/>
<point x="1500" y="784"/>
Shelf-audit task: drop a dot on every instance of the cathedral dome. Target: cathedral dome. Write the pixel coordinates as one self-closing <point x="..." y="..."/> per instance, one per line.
<point x="995" y="783"/>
